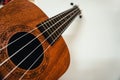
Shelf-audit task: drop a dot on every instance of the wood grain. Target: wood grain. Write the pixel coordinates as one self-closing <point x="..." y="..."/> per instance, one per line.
<point x="23" y="16"/>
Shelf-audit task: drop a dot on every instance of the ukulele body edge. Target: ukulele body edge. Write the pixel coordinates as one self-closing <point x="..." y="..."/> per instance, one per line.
<point x="22" y="16"/>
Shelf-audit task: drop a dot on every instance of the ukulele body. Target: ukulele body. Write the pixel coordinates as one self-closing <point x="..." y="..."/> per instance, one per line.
<point x="23" y="16"/>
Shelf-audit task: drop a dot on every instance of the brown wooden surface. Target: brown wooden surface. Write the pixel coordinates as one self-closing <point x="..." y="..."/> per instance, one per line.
<point x="15" y="17"/>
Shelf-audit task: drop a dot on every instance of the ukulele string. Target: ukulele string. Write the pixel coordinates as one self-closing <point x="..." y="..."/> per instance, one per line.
<point x="29" y="43"/>
<point x="46" y="49"/>
<point x="30" y="54"/>
<point x="50" y="19"/>
<point x="36" y="48"/>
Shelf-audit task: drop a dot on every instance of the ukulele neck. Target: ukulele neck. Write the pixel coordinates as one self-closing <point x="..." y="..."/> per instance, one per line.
<point x="55" y="26"/>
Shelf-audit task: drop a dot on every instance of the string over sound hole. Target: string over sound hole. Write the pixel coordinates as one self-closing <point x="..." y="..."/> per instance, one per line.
<point x="23" y="53"/>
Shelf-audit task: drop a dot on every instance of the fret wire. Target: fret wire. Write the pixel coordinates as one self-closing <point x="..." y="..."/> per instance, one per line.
<point x="56" y="33"/>
<point x="54" y="29"/>
<point x="60" y="23"/>
<point x="51" y="23"/>
<point x="51" y="30"/>
<point x="45" y="27"/>
<point x="57" y="15"/>
<point x="56" y="26"/>
<point x="48" y="25"/>
<point x="63" y="29"/>
<point x="63" y="21"/>
<point x="66" y="24"/>
<point x="54" y="21"/>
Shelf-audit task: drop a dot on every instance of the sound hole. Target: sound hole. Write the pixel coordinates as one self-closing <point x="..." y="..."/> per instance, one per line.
<point x="19" y="56"/>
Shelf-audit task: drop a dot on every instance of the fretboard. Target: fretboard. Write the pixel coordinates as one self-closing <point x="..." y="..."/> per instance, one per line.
<point x="55" y="26"/>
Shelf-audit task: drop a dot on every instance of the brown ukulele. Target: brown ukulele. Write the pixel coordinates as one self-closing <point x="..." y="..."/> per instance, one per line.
<point x="31" y="45"/>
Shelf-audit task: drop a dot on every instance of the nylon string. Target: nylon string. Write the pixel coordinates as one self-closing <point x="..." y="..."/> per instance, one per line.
<point x="28" y="43"/>
<point x="32" y="52"/>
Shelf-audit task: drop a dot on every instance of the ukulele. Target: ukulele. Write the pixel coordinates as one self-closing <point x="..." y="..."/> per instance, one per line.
<point x="4" y="2"/>
<point x="31" y="45"/>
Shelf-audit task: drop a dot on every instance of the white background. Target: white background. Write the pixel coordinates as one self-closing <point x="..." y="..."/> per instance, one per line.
<point x="93" y="41"/>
